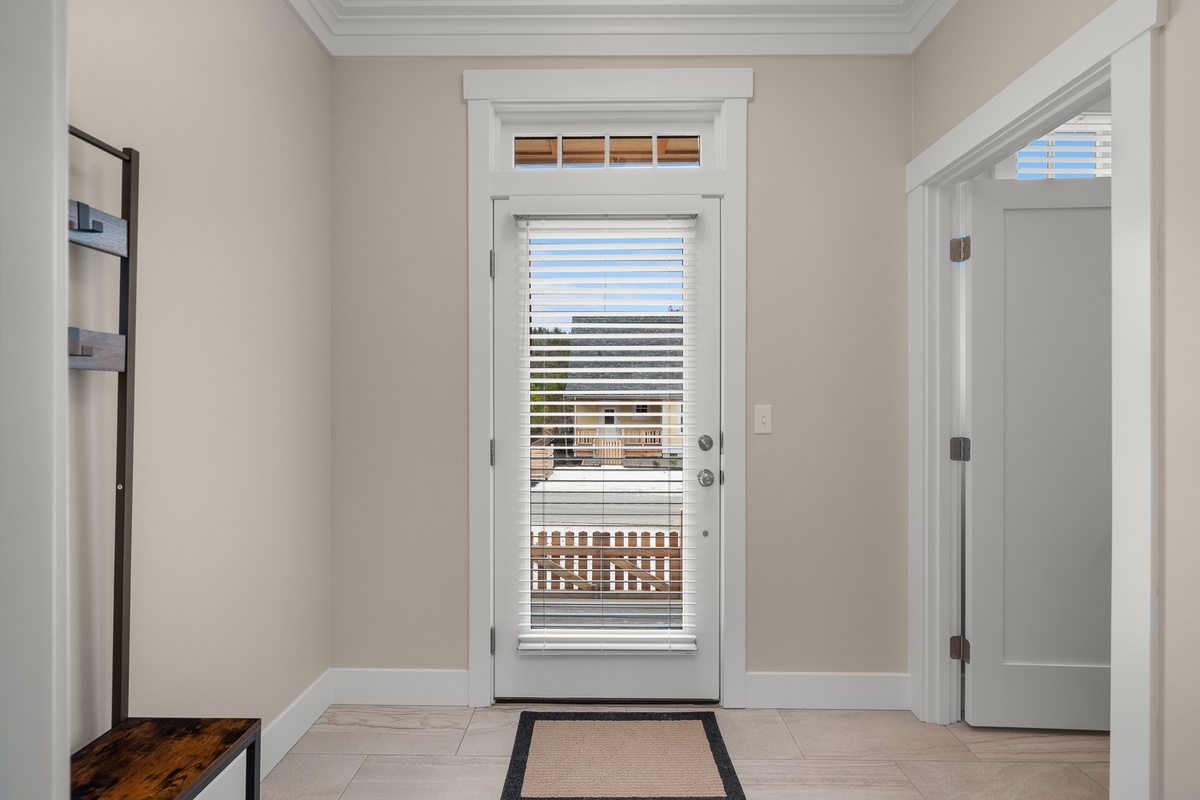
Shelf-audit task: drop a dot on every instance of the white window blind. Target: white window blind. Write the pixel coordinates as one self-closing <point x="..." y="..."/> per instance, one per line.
<point x="1081" y="148"/>
<point x="600" y="547"/>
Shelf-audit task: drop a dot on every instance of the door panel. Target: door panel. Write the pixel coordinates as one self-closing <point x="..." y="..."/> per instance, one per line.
<point x="606" y="544"/>
<point x="1039" y="481"/>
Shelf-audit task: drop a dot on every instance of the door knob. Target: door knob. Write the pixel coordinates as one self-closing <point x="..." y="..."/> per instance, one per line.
<point x="705" y="442"/>
<point x="706" y="477"/>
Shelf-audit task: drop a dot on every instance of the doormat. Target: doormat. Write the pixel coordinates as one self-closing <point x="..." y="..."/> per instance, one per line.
<point x="620" y="756"/>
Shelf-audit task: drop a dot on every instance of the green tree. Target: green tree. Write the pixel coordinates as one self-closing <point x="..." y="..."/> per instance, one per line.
<point x="548" y="357"/>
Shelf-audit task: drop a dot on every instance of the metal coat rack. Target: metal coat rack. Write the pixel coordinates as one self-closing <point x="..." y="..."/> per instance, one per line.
<point x="114" y="352"/>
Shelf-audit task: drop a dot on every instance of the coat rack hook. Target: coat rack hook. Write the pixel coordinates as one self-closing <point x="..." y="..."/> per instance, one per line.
<point x="86" y="223"/>
<point x="75" y="346"/>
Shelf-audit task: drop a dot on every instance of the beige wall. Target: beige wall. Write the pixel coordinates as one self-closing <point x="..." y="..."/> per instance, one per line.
<point x="1181" y="428"/>
<point x="827" y="307"/>
<point x="229" y="103"/>
<point x="826" y="528"/>
<point x="399" y="366"/>
<point x="980" y="47"/>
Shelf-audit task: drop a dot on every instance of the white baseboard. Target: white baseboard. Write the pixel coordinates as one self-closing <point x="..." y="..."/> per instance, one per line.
<point x="285" y="730"/>
<point x="400" y="687"/>
<point x="865" y="690"/>
<point x="278" y="737"/>
<point x="418" y="687"/>
<point x="230" y="784"/>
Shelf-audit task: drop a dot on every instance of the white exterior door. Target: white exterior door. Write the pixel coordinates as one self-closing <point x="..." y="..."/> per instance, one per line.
<point x="1038" y="501"/>
<point x="607" y="565"/>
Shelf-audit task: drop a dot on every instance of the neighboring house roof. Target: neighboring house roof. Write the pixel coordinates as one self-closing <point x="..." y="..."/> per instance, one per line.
<point x="629" y="366"/>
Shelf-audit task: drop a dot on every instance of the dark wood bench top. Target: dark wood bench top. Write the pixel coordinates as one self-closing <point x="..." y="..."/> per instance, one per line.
<point x="154" y="758"/>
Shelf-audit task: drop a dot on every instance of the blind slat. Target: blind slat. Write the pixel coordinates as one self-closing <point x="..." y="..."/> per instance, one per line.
<point x="1077" y="149"/>
<point x="602" y="553"/>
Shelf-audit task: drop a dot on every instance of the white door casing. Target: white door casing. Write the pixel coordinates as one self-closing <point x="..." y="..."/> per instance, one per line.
<point x="604" y="667"/>
<point x="1039" y="411"/>
<point x="1117" y="52"/>
<point x="500" y="102"/>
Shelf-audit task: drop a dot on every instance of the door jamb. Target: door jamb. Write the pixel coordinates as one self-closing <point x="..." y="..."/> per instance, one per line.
<point x="1116" y="52"/>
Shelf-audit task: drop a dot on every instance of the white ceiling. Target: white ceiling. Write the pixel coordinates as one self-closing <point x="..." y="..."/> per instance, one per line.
<point x="619" y="27"/>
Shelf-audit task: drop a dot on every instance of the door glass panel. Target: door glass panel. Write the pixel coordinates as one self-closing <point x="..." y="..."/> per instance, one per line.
<point x="607" y="379"/>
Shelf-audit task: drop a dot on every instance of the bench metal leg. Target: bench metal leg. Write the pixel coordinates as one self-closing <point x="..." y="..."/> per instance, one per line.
<point x="253" y="766"/>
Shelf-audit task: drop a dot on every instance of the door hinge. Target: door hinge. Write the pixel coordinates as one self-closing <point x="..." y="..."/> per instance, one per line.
<point x="493" y="453"/>
<point x="960" y="249"/>
<point x="960" y="449"/>
<point x="493" y="641"/>
<point x="722" y="477"/>
<point x="722" y="450"/>
<point x="492" y="264"/>
<point x="960" y="649"/>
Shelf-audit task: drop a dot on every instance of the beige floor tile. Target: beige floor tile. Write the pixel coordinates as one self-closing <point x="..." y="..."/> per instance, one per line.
<point x="387" y="730"/>
<point x="310" y="777"/>
<point x="756" y="733"/>
<point x="431" y="742"/>
<point x="1010" y="744"/>
<point x="385" y="718"/>
<point x="335" y="742"/>
<point x="491" y="732"/>
<point x="872" y="735"/>
<point x="995" y="780"/>
<point x="794" y="778"/>
<point x="1097" y="772"/>
<point x="428" y="778"/>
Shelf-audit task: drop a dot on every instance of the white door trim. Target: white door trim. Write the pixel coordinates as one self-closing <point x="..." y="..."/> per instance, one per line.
<point x="491" y="95"/>
<point x="1117" y="51"/>
<point x="35" y="727"/>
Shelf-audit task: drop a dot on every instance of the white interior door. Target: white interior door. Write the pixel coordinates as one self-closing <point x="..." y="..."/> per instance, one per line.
<point x="607" y="534"/>
<point x="1038" y="544"/>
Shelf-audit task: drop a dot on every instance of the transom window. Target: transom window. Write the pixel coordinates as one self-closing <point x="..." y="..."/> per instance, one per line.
<point x="606" y="151"/>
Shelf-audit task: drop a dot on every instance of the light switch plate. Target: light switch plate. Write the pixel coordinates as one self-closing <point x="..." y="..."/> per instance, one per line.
<point x="762" y="419"/>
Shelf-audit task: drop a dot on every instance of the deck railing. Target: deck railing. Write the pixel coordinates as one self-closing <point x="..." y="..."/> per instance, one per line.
<point x="631" y="442"/>
<point x="541" y="459"/>
<point x="588" y="565"/>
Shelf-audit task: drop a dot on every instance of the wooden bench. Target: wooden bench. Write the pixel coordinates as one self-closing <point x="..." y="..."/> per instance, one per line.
<point x="164" y="758"/>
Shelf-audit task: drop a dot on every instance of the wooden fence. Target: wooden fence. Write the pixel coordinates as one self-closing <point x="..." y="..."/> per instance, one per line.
<point x="582" y="565"/>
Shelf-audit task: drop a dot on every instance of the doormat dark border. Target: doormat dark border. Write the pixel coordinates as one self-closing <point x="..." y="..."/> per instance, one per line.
<point x="520" y="754"/>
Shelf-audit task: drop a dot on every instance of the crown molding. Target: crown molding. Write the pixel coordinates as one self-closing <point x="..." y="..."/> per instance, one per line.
<point x="430" y="28"/>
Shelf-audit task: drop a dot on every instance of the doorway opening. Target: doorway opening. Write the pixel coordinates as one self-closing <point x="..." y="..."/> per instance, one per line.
<point x="1100" y="60"/>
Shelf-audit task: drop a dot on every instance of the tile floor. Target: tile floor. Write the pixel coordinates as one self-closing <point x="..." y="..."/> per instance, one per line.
<point x="426" y="752"/>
